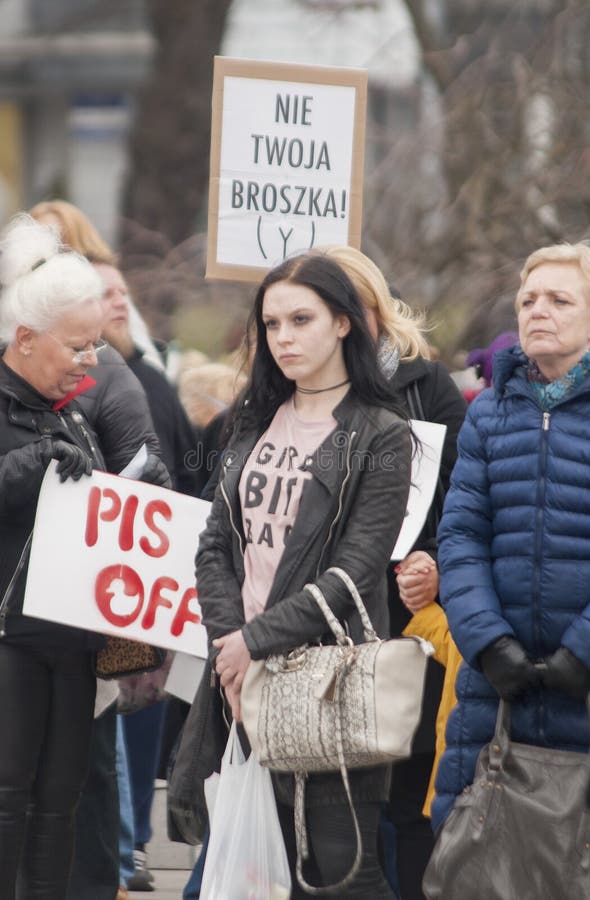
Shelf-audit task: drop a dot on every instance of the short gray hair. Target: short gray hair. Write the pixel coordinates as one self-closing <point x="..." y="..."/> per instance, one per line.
<point x="38" y="282"/>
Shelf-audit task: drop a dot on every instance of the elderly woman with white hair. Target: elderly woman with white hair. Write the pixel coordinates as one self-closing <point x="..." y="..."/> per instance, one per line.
<point x="514" y="540"/>
<point x="50" y="323"/>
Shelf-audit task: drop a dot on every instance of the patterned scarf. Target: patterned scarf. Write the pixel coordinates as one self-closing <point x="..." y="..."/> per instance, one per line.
<point x="550" y="393"/>
<point x="387" y="357"/>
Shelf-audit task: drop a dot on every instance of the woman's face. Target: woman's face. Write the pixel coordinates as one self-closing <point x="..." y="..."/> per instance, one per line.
<point x="115" y="304"/>
<point x="303" y="336"/>
<point x="47" y="357"/>
<point x="553" y="308"/>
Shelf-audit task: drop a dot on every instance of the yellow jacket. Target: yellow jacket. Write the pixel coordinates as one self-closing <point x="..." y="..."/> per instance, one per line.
<point x="430" y="623"/>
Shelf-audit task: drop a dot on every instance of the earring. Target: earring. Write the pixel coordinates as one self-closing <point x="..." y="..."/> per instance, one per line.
<point x="26" y="352"/>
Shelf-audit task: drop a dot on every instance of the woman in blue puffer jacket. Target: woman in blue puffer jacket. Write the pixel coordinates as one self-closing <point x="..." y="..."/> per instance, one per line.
<point x="514" y="540"/>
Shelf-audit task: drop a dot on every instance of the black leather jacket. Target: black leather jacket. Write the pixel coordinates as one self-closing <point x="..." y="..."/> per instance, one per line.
<point x="26" y="418"/>
<point x="350" y="514"/>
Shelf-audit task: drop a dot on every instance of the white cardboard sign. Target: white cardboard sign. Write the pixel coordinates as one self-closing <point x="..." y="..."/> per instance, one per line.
<point x="116" y="556"/>
<point x="287" y="150"/>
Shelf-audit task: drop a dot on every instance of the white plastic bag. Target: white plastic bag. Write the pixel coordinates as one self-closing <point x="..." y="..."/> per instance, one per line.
<point x="246" y="857"/>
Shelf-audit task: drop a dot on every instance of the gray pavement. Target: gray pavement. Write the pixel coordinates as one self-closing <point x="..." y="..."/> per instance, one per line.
<point x="169" y="884"/>
<point x="170" y="863"/>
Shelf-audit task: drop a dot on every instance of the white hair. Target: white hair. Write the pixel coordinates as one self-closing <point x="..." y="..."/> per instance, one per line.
<point x="38" y="282"/>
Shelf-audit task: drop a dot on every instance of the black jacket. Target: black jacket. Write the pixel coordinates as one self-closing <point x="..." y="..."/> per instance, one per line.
<point x="427" y="391"/>
<point x="117" y="408"/>
<point x="350" y="514"/>
<point x="439" y="400"/>
<point x="25" y="419"/>
<point x="174" y="431"/>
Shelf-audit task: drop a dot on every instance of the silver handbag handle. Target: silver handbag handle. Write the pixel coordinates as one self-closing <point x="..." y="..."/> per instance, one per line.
<point x="335" y="626"/>
<point x="369" y="631"/>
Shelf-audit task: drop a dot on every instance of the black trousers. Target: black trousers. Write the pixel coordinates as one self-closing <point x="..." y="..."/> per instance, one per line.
<point x="332" y="847"/>
<point x="414" y="837"/>
<point x="46" y="707"/>
<point x="95" y="867"/>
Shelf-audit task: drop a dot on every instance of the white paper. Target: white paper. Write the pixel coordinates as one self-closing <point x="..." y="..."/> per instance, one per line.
<point x="184" y="676"/>
<point x="135" y="466"/>
<point x="284" y="186"/>
<point x="425" y="469"/>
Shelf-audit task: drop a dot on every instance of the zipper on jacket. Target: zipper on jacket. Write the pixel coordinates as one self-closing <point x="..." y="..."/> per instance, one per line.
<point x="340" y="502"/>
<point x="539" y="517"/>
<point x="78" y="419"/>
<point x="231" y="518"/>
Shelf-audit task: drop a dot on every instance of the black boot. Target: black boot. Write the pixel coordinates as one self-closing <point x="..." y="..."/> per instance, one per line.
<point x="47" y="856"/>
<point x="13" y="806"/>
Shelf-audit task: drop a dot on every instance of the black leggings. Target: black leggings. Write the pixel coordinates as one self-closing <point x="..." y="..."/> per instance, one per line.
<point x="46" y="709"/>
<point x="332" y="848"/>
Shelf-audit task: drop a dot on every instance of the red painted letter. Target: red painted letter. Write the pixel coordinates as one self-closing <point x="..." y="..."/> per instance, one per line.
<point x="184" y="614"/>
<point x="114" y="589"/>
<point x="154" y="507"/>
<point x="107" y="515"/>
<point x="127" y="520"/>
<point x="156" y="599"/>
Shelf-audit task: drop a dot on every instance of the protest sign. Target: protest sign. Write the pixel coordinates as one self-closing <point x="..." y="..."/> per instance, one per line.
<point x="117" y="556"/>
<point x="425" y="468"/>
<point x="287" y="156"/>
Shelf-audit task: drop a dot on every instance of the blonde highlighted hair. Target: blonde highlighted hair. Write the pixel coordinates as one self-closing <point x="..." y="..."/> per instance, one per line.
<point x="76" y="230"/>
<point x="395" y="319"/>
<point x="560" y="253"/>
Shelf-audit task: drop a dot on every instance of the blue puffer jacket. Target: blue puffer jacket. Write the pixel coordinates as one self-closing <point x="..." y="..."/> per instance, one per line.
<point x="514" y="557"/>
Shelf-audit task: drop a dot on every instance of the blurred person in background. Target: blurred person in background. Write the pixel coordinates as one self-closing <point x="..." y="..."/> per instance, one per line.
<point x="50" y="324"/>
<point x="78" y="232"/>
<point x="425" y="390"/>
<point x="118" y="409"/>
<point x="482" y="362"/>
<point x="207" y="392"/>
<point x="143" y="729"/>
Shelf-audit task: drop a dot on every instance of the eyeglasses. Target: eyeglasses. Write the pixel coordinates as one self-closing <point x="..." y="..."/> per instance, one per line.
<point x="81" y="356"/>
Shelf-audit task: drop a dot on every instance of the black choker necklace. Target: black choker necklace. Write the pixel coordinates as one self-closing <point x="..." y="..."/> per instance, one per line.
<point x="321" y="390"/>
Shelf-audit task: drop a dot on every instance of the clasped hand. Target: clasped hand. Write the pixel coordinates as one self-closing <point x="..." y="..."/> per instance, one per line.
<point x="511" y="672"/>
<point x="231" y="664"/>
<point x="417" y="580"/>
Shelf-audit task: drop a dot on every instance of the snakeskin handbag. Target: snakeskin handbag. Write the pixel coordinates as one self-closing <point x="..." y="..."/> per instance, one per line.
<point x="334" y="707"/>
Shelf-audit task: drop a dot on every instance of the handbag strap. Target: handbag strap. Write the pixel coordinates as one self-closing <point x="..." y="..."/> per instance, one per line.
<point x="335" y="626"/>
<point x="9" y="590"/>
<point x="300" y="828"/>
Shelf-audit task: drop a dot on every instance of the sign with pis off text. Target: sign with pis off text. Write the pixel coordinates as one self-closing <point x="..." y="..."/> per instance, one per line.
<point x="117" y="556"/>
<point x="287" y="156"/>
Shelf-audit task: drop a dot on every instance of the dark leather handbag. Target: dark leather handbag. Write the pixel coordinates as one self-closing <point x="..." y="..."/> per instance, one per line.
<point x="521" y="830"/>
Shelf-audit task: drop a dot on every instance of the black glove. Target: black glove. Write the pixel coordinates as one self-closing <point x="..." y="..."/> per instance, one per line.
<point x="508" y="669"/>
<point x="564" y="672"/>
<point x="72" y="461"/>
<point x="155" y="472"/>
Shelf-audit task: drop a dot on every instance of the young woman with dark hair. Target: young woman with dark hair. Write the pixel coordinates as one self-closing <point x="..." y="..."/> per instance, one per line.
<point x="317" y="474"/>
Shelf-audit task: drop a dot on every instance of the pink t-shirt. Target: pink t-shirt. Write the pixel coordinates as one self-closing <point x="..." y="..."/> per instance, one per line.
<point x="271" y="485"/>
